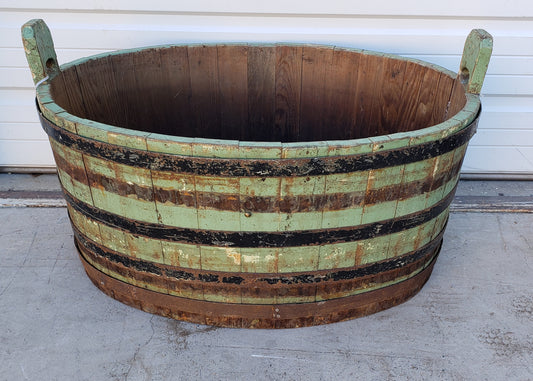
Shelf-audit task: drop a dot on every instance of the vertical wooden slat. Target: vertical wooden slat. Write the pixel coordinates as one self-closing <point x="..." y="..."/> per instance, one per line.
<point x="421" y="114"/>
<point x="288" y="91"/>
<point x="368" y="78"/>
<point x="127" y="91"/>
<point x="59" y="93"/>
<point x="387" y="97"/>
<point x="204" y="90"/>
<point x="409" y="98"/>
<point x="97" y="84"/>
<point x="147" y="66"/>
<point x="457" y="99"/>
<point x="73" y="92"/>
<point x="233" y="90"/>
<point x="175" y="75"/>
<point x="444" y="89"/>
<point x="315" y="61"/>
<point x="261" y="90"/>
<point x="340" y="94"/>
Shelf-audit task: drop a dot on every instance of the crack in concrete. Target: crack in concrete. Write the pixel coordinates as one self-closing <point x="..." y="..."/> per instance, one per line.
<point x="135" y="359"/>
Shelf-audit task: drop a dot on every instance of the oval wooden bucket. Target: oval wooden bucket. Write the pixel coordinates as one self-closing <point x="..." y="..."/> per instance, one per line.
<point x="264" y="186"/>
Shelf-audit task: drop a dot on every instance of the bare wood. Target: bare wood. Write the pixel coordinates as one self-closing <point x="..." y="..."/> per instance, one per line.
<point x="444" y="90"/>
<point x="340" y="94"/>
<point x="127" y="90"/>
<point x="457" y="98"/>
<point x="175" y="76"/>
<point x="147" y="66"/>
<point x="369" y="76"/>
<point x="59" y="93"/>
<point x="409" y="97"/>
<point x="315" y="61"/>
<point x="233" y="90"/>
<point x="204" y="90"/>
<point x="421" y="114"/>
<point x="261" y="94"/>
<point x="388" y="99"/>
<point x="288" y="91"/>
<point x="97" y="84"/>
<point x="73" y="92"/>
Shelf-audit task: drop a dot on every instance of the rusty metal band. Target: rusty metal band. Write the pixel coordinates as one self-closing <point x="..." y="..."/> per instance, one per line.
<point x="106" y="257"/>
<point x="254" y="290"/>
<point x="258" y="167"/>
<point x="259" y="204"/>
<point x="259" y="315"/>
<point x="261" y="239"/>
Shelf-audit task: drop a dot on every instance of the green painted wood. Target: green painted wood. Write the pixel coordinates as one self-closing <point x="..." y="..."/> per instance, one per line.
<point x="89" y="227"/>
<point x="181" y="255"/>
<point x="475" y="60"/>
<point x="79" y="189"/>
<point x="260" y="260"/>
<point x="39" y="48"/>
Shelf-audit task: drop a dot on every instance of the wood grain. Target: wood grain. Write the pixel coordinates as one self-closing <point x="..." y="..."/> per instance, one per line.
<point x="123" y="69"/>
<point x="233" y="90"/>
<point x="99" y="91"/>
<point x="313" y="103"/>
<point x="261" y="94"/>
<point x="288" y="92"/>
<point x="204" y="91"/>
<point x="176" y="77"/>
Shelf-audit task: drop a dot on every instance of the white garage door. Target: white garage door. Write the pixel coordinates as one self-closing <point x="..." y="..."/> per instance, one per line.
<point x="432" y="31"/>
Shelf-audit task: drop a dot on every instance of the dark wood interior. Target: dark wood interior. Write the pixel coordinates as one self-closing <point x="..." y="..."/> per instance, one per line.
<point x="258" y="93"/>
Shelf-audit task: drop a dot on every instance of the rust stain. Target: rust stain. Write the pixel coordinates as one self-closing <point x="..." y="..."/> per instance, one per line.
<point x="258" y="316"/>
<point x="288" y="203"/>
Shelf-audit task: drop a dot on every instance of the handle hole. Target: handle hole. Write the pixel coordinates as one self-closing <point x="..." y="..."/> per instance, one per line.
<point x="51" y="64"/>
<point x="465" y="75"/>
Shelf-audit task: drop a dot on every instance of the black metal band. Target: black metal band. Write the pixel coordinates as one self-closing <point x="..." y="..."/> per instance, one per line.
<point x="261" y="239"/>
<point x="258" y="167"/>
<point x="93" y="249"/>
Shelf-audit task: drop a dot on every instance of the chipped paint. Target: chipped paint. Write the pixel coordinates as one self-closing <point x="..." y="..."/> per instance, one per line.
<point x="233" y="254"/>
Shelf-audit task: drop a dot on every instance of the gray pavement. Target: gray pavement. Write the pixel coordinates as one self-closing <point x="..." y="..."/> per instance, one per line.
<point x="473" y="320"/>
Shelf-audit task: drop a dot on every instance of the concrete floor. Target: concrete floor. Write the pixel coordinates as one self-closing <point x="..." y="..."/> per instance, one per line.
<point x="472" y="321"/>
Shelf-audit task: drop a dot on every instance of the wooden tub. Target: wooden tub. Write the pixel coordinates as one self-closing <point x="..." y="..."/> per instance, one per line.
<point x="263" y="186"/>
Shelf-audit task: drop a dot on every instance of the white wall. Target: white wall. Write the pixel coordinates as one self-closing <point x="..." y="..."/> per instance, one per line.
<point x="432" y="31"/>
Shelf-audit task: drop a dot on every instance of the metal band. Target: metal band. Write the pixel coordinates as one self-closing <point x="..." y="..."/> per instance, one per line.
<point x="181" y="274"/>
<point x="259" y="204"/>
<point x="262" y="239"/>
<point x="258" y="167"/>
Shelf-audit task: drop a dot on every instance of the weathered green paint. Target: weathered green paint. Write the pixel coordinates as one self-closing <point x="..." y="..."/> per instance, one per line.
<point x="337" y="256"/>
<point x="255" y="260"/>
<point x="259" y="259"/>
<point x="39" y="48"/>
<point x="475" y="60"/>
<point x="89" y="227"/>
<point x="221" y="258"/>
<point x="181" y="255"/>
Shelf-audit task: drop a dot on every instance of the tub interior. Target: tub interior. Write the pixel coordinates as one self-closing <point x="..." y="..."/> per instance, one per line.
<point x="259" y="93"/>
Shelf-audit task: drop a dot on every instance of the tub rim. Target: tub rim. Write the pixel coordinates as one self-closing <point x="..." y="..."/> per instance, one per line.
<point x="225" y="148"/>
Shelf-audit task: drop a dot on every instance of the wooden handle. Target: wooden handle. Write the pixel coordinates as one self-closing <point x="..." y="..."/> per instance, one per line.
<point x="39" y="49"/>
<point x="476" y="57"/>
